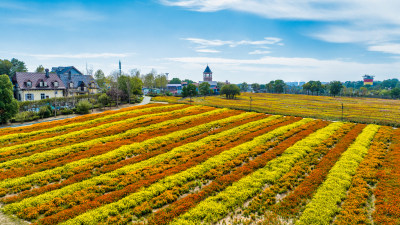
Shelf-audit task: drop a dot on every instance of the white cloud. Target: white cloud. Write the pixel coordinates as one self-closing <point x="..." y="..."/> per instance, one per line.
<point x="387" y="48"/>
<point x="207" y="51"/>
<point x="259" y="52"/>
<point x="369" y="22"/>
<point x="79" y="55"/>
<point x="204" y="43"/>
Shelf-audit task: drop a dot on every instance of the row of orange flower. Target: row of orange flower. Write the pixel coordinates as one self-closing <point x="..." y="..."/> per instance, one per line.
<point x="291" y="180"/>
<point x="387" y="192"/>
<point x="355" y="208"/>
<point x="76" y="153"/>
<point x="130" y="182"/>
<point x="46" y="125"/>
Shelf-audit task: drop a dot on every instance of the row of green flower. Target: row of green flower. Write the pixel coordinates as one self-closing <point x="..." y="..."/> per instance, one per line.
<point x="123" y="152"/>
<point x="324" y="204"/>
<point x="191" y="174"/>
<point x="215" y="208"/>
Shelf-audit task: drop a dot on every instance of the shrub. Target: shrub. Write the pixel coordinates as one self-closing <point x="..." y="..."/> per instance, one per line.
<point x="67" y="111"/>
<point x="83" y="107"/>
<point x="45" y="111"/>
<point x="25" y="116"/>
<point x="104" y="100"/>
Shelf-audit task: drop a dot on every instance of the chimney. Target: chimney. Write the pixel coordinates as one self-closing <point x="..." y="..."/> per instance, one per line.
<point x="47" y="73"/>
<point x="69" y="75"/>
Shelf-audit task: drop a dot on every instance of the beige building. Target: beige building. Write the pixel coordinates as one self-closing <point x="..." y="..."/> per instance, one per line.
<point x="37" y="86"/>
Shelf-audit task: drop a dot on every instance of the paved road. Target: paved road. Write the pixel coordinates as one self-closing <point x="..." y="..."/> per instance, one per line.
<point x="145" y="101"/>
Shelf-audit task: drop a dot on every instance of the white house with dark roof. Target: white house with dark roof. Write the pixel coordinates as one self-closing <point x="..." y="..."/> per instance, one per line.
<point x="76" y="83"/>
<point x="37" y="86"/>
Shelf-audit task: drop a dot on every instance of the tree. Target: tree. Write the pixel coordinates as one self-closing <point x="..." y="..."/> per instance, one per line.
<point x="189" y="91"/>
<point x="39" y="69"/>
<point x="279" y="86"/>
<point x="161" y="81"/>
<point x="104" y="99"/>
<point x="175" y="81"/>
<point x="307" y="87"/>
<point x="256" y="87"/>
<point x="188" y="81"/>
<point x="244" y="86"/>
<point x="17" y="66"/>
<point x="148" y="80"/>
<point x="130" y="85"/>
<point x="335" y="87"/>
<point x="205" y="89"/>
<point x="395" y="92"/>
<point x="270" y="86"/>
<point x="100" y="78"/>
<point x="8" y="105"/>
<point x="11" y="67"/>
<point x="230" y="91"/>
<point x="5" y="66"/>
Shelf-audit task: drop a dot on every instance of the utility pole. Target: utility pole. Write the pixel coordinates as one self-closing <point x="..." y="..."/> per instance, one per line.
<point x="251" y="99"/>
<point x="342" y="111"/>
<point x="120" y="72"/>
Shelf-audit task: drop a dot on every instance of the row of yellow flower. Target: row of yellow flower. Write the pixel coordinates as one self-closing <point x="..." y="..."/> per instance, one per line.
<point x="84" y="125"/>
<point x="60" y="152"/>
<point x="366" y="110"/>
<point x="123" y="152"/>
<point x="45" y="143"/>
<point x="215" y="208"/>
<point x="324" y="204"/>
<point x="193" y="173"/>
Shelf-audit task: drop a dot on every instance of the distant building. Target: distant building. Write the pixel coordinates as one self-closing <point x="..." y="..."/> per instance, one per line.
<point x="207" y="74"/>
<point x="175" y="89"/>
<point x="76" y="82"/>
<point x="37" y="86"/>
<point x="207" y="77"/>
<point x="368" y="80"/>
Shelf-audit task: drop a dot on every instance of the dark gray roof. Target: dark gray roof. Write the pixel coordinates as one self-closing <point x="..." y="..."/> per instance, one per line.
<point x="207" y="70"/>
<point x="21" y="79"/>
<point x="64" y="70"/>
<point x="77" y="80"/>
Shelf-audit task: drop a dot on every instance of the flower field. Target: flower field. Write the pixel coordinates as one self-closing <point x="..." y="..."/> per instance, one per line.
<point x="195" y="164"/>
<point x="360" y="110"/>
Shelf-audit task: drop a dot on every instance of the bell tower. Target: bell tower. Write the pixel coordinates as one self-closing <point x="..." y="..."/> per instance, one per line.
<point x="207" y="74"/>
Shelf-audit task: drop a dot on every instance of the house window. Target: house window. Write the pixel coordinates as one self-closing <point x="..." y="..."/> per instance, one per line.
<point x="55" y="84"/>
<point x="29" y="84"/>
<point x="42" y="96"/>
<point x="71" y="85"/>
<point x="45" y="84"/>
<point x="41" y="84"/>
<point x="29" y="97"/>
<point x="47" y="96"/>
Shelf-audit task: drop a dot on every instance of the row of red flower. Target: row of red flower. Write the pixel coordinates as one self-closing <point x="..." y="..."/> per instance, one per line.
<point x="123" y="185"/>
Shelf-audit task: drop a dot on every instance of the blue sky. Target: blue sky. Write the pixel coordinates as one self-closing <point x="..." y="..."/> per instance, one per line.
<point x="241" y="40"/>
